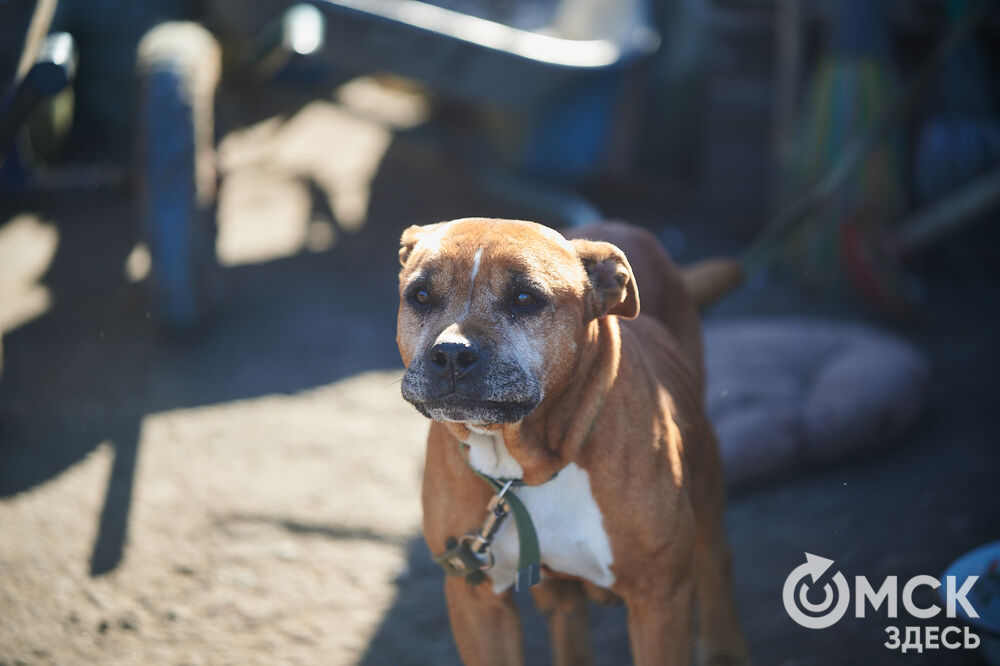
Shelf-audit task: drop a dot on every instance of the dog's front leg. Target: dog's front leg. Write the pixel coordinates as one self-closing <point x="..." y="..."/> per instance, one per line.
<point x="565" y="604"/>
<point x="661" y="620"/>
<point x="486" y="625"/>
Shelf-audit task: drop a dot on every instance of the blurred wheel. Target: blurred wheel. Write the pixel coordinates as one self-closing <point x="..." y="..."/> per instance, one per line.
<point x="178" y="71"/>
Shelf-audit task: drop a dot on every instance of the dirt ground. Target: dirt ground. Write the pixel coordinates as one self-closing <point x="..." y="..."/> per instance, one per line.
<point x="250" y="495"/>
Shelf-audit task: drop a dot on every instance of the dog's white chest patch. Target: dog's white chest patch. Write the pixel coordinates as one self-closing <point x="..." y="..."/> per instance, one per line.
<point x="568" y="522"/>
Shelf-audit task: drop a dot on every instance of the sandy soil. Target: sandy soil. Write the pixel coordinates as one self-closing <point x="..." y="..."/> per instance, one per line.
<point x="247" y="527"/>
<point x="244" y="496"/>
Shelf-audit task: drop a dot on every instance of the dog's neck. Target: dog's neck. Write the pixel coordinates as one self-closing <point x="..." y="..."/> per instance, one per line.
<point x="552" y="436"/>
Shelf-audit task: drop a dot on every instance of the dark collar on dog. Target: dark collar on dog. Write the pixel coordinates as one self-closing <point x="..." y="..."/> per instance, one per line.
<point x="471" y="556"/>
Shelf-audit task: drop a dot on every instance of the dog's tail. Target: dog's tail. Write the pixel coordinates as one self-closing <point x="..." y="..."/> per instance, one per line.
<point x="709" y="280"/>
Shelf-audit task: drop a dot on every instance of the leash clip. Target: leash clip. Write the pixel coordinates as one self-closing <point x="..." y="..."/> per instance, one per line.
<point x="498" y="510"/>
<point x="472" y="553"/>
<point x="480" y="549"/>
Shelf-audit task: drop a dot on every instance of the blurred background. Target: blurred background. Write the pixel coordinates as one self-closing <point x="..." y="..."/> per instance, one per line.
<point x="204" y="458"/>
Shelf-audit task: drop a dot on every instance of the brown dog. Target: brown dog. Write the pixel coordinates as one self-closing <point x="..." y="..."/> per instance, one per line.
<point x="515" y="347"/>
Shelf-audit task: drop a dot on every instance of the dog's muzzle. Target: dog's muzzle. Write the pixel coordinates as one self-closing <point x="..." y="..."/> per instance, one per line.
<point x="462" y="381"/>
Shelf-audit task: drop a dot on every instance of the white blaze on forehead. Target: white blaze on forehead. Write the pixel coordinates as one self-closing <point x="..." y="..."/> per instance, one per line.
<point x="475" y="266"/>
<point x="472" y="280"/>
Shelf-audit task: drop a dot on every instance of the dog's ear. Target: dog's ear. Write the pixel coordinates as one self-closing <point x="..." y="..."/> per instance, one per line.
<point x="612" y="284"/>
<point x="411" y="236"/>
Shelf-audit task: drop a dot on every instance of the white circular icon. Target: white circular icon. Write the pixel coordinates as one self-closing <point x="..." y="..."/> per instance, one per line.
<point x="814" y="567"/>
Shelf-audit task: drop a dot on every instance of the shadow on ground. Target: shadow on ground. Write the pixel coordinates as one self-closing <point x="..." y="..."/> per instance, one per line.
<point x="89" y="369"/>
<point x="93" y="365"/>
<point x="419" y="617"/>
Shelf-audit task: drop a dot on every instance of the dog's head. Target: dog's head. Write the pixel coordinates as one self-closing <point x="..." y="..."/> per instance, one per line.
<point x="493" y="314"/>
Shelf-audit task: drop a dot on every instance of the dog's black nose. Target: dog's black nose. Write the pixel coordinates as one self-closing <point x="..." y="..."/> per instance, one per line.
<point x="454" y="358"/>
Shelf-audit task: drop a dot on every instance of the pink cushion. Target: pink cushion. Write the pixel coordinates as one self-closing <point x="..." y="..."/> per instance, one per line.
<point x="787" y="393"/>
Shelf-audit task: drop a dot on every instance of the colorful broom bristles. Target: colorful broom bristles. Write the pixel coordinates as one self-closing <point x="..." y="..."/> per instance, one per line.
<point x="847" y="96"/>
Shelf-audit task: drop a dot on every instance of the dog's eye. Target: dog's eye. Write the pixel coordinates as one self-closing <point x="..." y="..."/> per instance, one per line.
<point x="420" y="296"/>
<point x="525" y="301"/>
